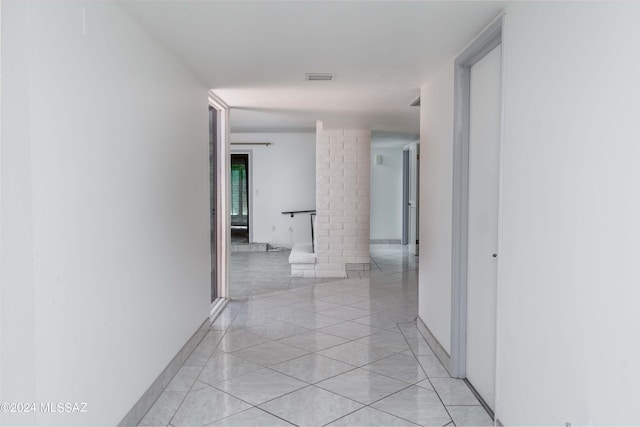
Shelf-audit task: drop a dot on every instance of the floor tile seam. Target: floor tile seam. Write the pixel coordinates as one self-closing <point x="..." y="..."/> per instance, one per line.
<point x="394" y="353"/>
<point x="227" y="379"/>
<point x="283" y="395"/>
<point x="309" y="311"/>
<point x="275" y="415"/>
<point x="197" y="377"/>
<point x="415" y="356"/>
<point x="388" y="376"/>
<point x="289" y="360"/>
<point x="347" y="320"/>
<point x="308" y="386"/>
<point x="355" y="340"/>
<point x="381" y="328"/>
<point x="358" y="366"/>
<point x="374" y="261"/>
<point x="181" y="403"/>
<point x="291" y="422"/>
<point x="206" y="362"/>
<point x="369" y="406"/>
<point x="244" y="348"/>
<point x="351" y="339"/>
<point x="248" y="409"/>
<point x="392" y="414"/>
<point x="470" y="406"/>
<point x="389" y="413"/>
<point x="407" y="385"/>
<point x="247" y="360"/>
<point x="315" y="383"/>
<point x="341" y="304"/>
<point x="382" y="346"/>
<point x="333" y="324"/>
<point x="315" y="351"/>
<point x="174" y="412"/>
<point x="307" y="330"/>
<point x="372" y="312"/>
<point x="246" y="329"/>
<point x="440" y="398"/>
<point x="345" y="415"/>
<point x="360" y="318"/>
<point x="239" y="349"/>
<point x="260" y="367"/>
<point x="235" y="397"/>
<point x="345" y="292"/>
<point x="333" y="358"/>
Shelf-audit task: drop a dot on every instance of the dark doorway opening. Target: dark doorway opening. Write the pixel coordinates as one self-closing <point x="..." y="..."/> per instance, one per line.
<point x="239" y="198"/>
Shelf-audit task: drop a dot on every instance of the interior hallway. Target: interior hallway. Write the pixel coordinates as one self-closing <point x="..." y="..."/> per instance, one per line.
<point x="345" y="352"/>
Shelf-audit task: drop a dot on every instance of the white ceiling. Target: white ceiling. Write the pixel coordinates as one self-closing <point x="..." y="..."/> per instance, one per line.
<point x="254" y="55"/>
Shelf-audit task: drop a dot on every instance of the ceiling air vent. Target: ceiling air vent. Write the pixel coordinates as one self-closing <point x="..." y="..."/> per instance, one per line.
<point x="313" y="77"/>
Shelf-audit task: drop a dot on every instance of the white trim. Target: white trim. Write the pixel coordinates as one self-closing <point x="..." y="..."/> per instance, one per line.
<point x="486" y="41"/>
<point x="217" y="102"/>
<point x="434" y="344"/>
<point x="222" y="197"/>
<point x="1" y="231"/>
<point x="148" y="398"/>
<point x="216" y="308"/>
<point x="500" y="228"/>
<point x="249" y="153"/>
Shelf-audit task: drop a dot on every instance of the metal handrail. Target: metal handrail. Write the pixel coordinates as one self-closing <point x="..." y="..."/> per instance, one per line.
<point x="312" y="213"/>
<point x="292" y="213"/>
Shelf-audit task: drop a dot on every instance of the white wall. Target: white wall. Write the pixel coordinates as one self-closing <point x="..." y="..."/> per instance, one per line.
<point x="386" y="193"/>
<point x="436" y="169"/>
<point x="16" y="280"/>
<point x="106" y="166"/>
<point x="568" y="286"/>
<point x="283" y="180"/>
<point x="569" y="268"/>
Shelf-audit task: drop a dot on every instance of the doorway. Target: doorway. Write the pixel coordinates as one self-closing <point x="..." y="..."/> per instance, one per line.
<point x="406" y="210"/>
<point x="482" y="238"/>
<point x="218" y="203"/>
<point x="476" y="177"/>
<point x="240" y="198"/>
<point x="410" y="182"/>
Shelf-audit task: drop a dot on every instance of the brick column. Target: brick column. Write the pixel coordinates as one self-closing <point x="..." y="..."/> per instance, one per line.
<point x="342" y="200"/>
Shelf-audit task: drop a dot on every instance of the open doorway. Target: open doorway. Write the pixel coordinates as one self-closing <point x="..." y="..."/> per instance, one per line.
<point x="410" y="180"/>
<point x="218" y="203"/>
<point x="240" y="198"/>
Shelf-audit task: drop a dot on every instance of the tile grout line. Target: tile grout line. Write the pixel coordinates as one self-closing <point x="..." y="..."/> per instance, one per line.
<point x="304" y="297"/>
<point x="200" y="372"/>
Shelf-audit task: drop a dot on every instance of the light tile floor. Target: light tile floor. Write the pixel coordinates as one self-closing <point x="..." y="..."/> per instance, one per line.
<point x="259" y="273"/>
<point x="340" y="352"/>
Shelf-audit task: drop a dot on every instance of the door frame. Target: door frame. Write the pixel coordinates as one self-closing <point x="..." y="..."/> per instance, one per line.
<point x="411" y="196"/>
<point x="406" y="196"/>
<point x="249" y="154"/>
<point x="223" y="213"/>
<point x="488" y="39"/>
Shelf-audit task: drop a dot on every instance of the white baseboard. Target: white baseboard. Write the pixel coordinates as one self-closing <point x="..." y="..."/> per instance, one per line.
<point x="142" y="406"/>
<point x="437" y="349"/>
